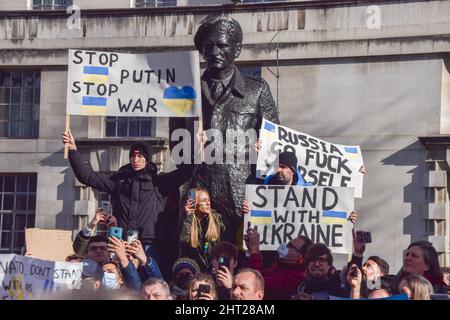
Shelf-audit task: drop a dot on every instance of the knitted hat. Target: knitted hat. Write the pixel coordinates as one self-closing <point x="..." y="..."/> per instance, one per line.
<point x="144" y="149"/>
<point x="185" y="263"/>
<point x="288" y="159"/>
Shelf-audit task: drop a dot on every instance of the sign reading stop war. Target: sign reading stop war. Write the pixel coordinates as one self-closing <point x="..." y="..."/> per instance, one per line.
<point x="134" y="85"/>
<point x="26" y="278"/>
<point x="321" y="163"/>
<point x="281" y="213"/>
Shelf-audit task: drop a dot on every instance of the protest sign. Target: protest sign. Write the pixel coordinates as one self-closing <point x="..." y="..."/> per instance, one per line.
<point x="53" y="245"/>
<point x="165" y="84"/>
<point x="281" y="213"/>
<point x="26" y="278"/>
<point x="321" y="163"/>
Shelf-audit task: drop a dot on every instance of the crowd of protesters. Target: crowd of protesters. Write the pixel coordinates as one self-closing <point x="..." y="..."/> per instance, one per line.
<point x="204" y="267"/>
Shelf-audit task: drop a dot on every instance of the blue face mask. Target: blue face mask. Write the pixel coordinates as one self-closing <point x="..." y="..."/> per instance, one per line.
<point x="109" y="280"/>
<point x="283" y="250"/>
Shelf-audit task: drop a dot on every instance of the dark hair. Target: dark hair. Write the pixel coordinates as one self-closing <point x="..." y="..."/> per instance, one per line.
<point x="384" y="266"/>
<point x="225" y="24"/>
<point x="74" y="257"/>
<point x="98" y="238"/>
<point x="431" y="258"/>
<point x="226" y="248"/>
<point x="316" y="250"/>
<point x="390" y="284"/>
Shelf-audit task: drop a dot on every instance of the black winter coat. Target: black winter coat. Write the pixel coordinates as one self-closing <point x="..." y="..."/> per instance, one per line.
<point x="138" y="198"/>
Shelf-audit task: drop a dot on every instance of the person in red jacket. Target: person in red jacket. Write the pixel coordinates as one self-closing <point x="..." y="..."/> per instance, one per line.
<point x="282" y="278"/>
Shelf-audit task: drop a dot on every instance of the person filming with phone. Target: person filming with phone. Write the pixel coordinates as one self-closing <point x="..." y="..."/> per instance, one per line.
<point x="202" y="287"/>
<point x="202" y="228"/>
<point x="82" y="240"/>
<point x="224" y="257"/>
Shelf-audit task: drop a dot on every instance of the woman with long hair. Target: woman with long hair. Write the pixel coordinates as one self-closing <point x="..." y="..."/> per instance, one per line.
<point x="416" y="287"/>
<point x="202" y="228"/>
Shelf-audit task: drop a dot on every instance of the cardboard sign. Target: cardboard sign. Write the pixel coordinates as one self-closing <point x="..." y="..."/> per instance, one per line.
<point x="163" y="84"/>
<point x="26" y="278"/>
<point x="320" y="163"/>
<point x="53" y="245"/>
<point x="281" y="213"/>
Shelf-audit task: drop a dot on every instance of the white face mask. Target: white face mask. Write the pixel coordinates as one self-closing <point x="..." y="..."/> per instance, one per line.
<point x="109" y="280"/>
<point x="283" y="250"/>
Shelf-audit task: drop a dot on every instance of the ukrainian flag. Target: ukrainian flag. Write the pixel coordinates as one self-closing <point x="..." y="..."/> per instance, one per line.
<point x="334" y="217"/>
<point x="268" y="130"/>
<point x="181" y="100"/>
<point x="261" y="217"/>
<point x="95" y="106"/>
<point x="351" y="153"/>
<point x="95" y="74"/>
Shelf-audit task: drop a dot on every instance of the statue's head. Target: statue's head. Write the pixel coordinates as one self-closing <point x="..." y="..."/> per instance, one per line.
<point x="219" y="39"/>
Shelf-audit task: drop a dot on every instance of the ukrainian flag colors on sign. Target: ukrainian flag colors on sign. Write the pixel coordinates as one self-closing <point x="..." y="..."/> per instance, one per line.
<point x="134" y="85"/>
<point x="322" y="163"/>
<point x="261" y="217"/>
<point x="334" y="217"/>
<point x="351" y="153"/>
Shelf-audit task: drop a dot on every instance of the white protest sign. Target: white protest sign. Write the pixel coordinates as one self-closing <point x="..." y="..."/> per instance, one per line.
<point x="321" y="163"/>
<point x="163" y="84"/>
<point x="26" y="278"/>
<point x="281" y="213"/>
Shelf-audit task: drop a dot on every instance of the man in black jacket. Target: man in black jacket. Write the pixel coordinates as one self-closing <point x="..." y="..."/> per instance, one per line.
<point x="137" y="192"/>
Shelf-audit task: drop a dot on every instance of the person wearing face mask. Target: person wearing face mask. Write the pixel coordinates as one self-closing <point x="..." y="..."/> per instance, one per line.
<point x="282" y="278"/>
<point x="112" y="277"/>
<point x="202" y="229"/>
<point x="184" y="270"/>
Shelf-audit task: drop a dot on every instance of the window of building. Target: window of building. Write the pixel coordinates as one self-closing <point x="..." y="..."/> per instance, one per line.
<point x="129" y="126"/>
<point x="252" y="71"/>
<point x="17" y="209"/>
<point x="19" y="104"/>
<point x="51" y="4"/>
<point x="155" y="3"/>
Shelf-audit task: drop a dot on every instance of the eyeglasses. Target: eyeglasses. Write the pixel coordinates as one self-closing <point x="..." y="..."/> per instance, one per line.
<point x="93" y="248"/>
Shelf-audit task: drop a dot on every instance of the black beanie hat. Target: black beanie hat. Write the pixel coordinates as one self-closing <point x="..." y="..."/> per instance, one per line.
<point x="144" y="149"/>
<point x="288" y="159"/>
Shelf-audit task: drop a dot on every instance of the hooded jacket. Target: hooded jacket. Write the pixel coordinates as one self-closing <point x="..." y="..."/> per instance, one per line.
<point x="137" y="197"/>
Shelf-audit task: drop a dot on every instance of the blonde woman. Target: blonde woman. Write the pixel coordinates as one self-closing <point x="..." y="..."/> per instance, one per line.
<point x="202" y="228"/>
<point x="416" y="287"/>
<point x="202" y="287"/>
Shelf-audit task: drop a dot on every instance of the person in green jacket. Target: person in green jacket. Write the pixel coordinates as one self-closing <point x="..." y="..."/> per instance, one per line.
<point x="202" y="228"/>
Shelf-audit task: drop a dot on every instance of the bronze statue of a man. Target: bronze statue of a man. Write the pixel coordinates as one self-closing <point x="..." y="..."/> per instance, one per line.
<point x="230" y="101"/>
